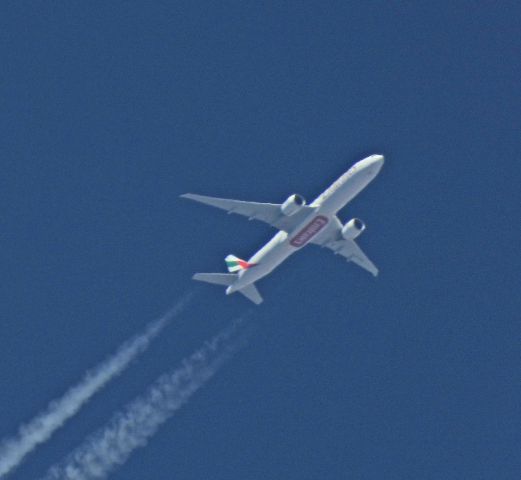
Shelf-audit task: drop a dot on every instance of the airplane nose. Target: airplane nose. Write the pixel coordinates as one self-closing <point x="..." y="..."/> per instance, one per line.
<point x="371" y="164"/>
<point x="377" y="161"/>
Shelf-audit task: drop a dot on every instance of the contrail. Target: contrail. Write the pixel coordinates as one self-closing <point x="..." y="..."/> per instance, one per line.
<point x="133" y="426"/>
<point x="40" y="428"/>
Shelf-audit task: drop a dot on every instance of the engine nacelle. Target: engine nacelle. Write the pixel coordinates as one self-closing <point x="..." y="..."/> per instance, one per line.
<point x="353" y="228"/>
<point x="292" y="205"/>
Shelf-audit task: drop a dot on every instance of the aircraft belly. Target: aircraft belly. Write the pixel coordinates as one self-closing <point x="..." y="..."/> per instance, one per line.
<point x="307" y="231"/>
<point x="274" y="257"/>
<point x="267" y="258"/>
<point x="346" y="192"/>
<point x="267" y="261"/>
<point x="260" y="256"/>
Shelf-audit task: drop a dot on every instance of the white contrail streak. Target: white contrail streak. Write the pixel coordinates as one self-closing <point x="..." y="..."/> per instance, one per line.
<point x="133" y="426"/>
<point x="40" y="428"/>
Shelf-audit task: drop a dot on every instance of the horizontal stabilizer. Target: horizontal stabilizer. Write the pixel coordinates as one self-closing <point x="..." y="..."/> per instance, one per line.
<point x="216" y="278"/>
<point x="227" y="279"/>
<point x="251" y="293"/>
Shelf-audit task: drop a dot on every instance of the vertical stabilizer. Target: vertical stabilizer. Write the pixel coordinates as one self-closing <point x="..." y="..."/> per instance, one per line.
<point x="236" y="264"/>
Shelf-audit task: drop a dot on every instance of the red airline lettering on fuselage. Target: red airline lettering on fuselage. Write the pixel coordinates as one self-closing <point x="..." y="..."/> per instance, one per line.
<point x="309" y="231"/>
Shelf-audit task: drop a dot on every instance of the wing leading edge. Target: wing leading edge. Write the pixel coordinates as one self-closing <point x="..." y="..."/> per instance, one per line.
<point x="269" y="213"/>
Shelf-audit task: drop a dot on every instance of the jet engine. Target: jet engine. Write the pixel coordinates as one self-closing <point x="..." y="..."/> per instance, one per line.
<point x="292" y="205"/>
<point x="353" y="228"/>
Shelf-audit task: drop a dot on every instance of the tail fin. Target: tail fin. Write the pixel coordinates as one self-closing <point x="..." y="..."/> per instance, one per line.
<point x="236" y="264"/>
<point x="217" y="278"/>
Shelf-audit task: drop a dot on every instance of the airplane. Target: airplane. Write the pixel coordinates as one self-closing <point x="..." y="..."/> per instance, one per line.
<point x="299" y="225"/>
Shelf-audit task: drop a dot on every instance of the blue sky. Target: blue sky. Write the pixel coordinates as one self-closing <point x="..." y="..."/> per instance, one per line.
<point x="111" y="110"/>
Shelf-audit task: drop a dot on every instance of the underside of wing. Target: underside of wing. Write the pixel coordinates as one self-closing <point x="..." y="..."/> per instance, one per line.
<point x="353" y="253"/>
<point x="269" y="213"/>
<point x="331" y="237"/>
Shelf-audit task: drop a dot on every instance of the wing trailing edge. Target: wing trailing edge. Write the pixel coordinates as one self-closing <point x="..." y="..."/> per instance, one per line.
<point x="269" y="213"/>
<point x="353" y="253"/>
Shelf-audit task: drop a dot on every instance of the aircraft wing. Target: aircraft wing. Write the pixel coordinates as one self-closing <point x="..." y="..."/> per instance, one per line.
<point x="331" y="238"/>
<point x="353" y="253"/>
<point x="269" y="213"/>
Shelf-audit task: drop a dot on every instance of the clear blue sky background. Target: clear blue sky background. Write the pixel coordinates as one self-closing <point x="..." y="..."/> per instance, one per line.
<point x="110" y="110"/>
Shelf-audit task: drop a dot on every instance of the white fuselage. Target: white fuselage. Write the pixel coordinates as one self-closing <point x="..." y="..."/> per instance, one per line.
<point x="328" y="203"/>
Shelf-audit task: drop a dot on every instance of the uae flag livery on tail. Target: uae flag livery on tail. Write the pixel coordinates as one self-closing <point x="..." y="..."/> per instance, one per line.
<point x="236" y="264"/>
